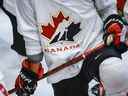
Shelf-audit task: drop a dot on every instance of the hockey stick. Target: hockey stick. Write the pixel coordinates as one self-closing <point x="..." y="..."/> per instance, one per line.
<point x="71" y="62"/>
<point x="68" y="63"/>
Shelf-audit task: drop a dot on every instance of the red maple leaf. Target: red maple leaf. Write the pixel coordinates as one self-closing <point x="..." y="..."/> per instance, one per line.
<point x="49" y="30"/>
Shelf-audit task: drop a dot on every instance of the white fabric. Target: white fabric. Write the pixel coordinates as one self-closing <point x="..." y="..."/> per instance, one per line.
<point x="126" y="10"/>
<point x="59" y="53"/>
<point x="1" y="76"/>
<point x="10" y="6"/>
<point x="5" y="28"/>
<point x="34" y="17"/>
<point x="112" y="73"/>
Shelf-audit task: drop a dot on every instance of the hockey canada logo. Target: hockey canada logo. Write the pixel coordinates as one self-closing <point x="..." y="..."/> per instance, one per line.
<point x="61" y="29"/>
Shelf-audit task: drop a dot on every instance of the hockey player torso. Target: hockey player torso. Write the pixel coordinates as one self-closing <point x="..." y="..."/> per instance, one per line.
<point x="62" y="26"/>
<point x="65" y="27"/>
<point x="56" y="21"/>
<point x="67" y="20"/>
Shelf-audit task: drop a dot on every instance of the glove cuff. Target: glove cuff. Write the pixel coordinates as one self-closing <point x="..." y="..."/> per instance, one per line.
<point x="26" y="67"/>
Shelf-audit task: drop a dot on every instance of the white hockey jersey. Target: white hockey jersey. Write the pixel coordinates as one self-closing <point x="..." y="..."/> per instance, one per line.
<point x="62" y="29"/>
<point x="126" y="10"/>
<point x="5" y="28"/>
<point x="10" y="5"/>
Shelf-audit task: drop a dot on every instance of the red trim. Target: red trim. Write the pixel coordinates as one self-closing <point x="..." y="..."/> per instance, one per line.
<point x="120" y="4"/>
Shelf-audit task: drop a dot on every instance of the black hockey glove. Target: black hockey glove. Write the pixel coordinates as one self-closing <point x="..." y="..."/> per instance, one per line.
<point x="115" y="32"/>
<point x="26" y="81"/>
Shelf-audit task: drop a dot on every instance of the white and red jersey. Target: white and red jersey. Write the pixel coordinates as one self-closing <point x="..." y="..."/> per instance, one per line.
<point x="58" y="27"/>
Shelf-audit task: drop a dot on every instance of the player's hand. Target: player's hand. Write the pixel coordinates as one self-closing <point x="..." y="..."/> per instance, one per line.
<point x="26" y="81"/>
<point x="114" y="27"/>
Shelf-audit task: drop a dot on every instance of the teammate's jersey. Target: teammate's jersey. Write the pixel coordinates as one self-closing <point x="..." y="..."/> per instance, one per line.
<point x="62" y="29"/>
<point x="126" y="10"/>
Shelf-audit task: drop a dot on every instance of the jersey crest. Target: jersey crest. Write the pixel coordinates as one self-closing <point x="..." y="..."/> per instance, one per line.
<point x="61" y="29"/>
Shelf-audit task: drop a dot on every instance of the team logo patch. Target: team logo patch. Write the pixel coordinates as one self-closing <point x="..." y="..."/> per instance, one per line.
<point x="49" y="30"/>
<point x="61" y="29"/>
